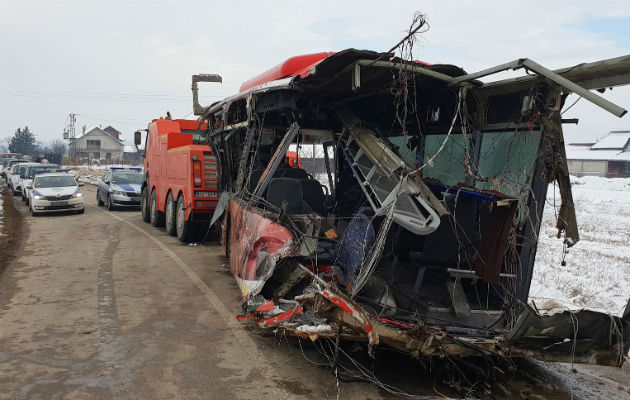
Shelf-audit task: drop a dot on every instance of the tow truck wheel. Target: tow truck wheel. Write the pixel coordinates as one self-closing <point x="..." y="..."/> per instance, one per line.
<point x="144" y="205"/>
<point x="185" y="229"/>
<point x="157" y="218"/>
<point x="171" y="227"/>
<point x="98" y="199"/>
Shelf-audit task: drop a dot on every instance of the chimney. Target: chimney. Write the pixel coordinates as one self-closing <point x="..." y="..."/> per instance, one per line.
<point x="84" y="128"/>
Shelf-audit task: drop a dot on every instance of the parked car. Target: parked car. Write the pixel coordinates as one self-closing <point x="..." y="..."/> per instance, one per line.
<point x="29" y="174"/>
<point x="3" y="164"/>
<point x="9" y="166"/>
<point x="15" y="178"/>
<point x="120" y="188"/>
<point x="55" y="192"/>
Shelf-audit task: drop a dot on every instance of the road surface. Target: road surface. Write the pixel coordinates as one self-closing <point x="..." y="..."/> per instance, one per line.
<point x="104" y="306"/>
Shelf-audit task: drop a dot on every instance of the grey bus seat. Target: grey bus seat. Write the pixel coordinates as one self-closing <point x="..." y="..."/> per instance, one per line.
<point x="289" y="190"/>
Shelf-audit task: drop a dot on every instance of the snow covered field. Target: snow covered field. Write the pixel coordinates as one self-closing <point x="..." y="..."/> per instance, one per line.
<point x="597" y="270"/>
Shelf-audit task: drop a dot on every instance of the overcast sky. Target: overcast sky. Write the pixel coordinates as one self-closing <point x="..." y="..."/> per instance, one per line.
<point x="123" y="63"/>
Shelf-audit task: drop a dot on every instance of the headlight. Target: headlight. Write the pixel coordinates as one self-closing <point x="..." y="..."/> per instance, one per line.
<point x="37" y="195"/>
<point x="118" y="192"/>
<point x="77" y="193"/>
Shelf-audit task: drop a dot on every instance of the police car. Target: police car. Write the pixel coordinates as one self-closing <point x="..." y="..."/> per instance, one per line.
<point x="29" y="174"/>
<point x="55" y="192"/>
<point x="120" y="187"/>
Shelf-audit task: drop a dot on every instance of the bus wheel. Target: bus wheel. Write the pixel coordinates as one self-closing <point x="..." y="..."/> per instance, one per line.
<point x="157" y="218"/>
<point x="185" y="228"/>
<point x="171" y="227"/>
<point x="144" y="205"/>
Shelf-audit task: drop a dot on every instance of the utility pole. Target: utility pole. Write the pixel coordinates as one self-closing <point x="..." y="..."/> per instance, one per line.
<point x="68" y="134"/>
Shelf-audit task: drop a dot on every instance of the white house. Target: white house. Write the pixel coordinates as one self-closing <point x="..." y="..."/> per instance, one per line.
<point x="609" y="156"/>
<point x="97" y="143"/>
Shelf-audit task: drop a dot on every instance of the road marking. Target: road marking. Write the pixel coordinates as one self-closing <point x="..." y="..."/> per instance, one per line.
<point x="242" y="336"/>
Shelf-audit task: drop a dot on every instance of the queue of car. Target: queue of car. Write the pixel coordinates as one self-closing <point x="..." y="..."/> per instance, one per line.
<point x="48" y="188"/>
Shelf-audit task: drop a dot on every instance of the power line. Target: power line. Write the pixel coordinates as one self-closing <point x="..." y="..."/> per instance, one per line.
<point x="116" y="97"/>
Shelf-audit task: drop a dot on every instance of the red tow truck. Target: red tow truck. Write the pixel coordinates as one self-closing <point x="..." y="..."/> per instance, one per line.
<point x="179" y="190"/>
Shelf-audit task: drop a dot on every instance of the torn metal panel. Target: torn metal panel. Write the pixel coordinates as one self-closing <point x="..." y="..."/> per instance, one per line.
<point x="567" y="222"/>
<point x="256" y="245"/>
<point x="542" y="71"/>
<point x="595" y="75"/>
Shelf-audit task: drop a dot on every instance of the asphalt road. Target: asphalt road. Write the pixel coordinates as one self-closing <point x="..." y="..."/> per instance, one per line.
<point x="104" y="306"/>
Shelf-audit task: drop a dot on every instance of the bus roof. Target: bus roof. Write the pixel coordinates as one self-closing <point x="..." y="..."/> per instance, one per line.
<point x="295" y="66"/>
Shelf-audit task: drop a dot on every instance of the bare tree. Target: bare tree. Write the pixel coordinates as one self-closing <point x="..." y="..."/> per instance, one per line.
<point x="4" y="145"/>
<point x="58" y="146"/>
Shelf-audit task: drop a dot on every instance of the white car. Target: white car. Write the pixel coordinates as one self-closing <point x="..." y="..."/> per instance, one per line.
<point x="29" y="174"/>
<point x="56" y="192"/>
<point x="16" y="176"/>
<point x="7" y="169"/>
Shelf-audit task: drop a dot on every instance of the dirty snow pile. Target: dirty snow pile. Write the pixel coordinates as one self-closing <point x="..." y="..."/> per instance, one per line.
<point x="597" y="270"/>
<point x="105" y="167"/>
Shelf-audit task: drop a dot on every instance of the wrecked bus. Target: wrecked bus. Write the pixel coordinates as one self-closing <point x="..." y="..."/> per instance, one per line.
<point x="416" y="225"/>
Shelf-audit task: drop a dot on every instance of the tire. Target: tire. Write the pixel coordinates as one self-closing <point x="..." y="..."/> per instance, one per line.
<point x="81" y="211"/>
<point x="23" y="198"/>
<point x="33" y="213"/>
<point x="98" y="199"/>
<point x="157" y="218"/>
<point x="144" y="205"/>
<point x="170" y="223"/>
<point x="185" y="228"/>
<point x="27" y="201"/>
<point x="110" y="203"/>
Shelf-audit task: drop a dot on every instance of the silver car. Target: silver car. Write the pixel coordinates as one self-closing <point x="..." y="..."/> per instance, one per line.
<point x="120" y="188"/>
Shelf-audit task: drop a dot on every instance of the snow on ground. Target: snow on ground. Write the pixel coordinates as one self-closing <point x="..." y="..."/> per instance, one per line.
<point x="104" y="167"/>
<point x="597" y="270"/>
<point x="91" y="173"/>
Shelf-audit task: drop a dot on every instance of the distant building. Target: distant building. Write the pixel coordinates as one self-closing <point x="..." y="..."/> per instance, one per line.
<point x="131" y="155"/>
<point x="609" y="156"/>
<point x="98" y="144"/>
<point x="113" y="132"/>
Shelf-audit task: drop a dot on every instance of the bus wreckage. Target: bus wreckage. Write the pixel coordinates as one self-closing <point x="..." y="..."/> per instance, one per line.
<point x="413" y="221"/>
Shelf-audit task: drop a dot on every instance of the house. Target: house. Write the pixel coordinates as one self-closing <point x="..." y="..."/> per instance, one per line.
<point x="609" y="156"/>
<point x="113" y="132"/>
<point x="98" y="143"/>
